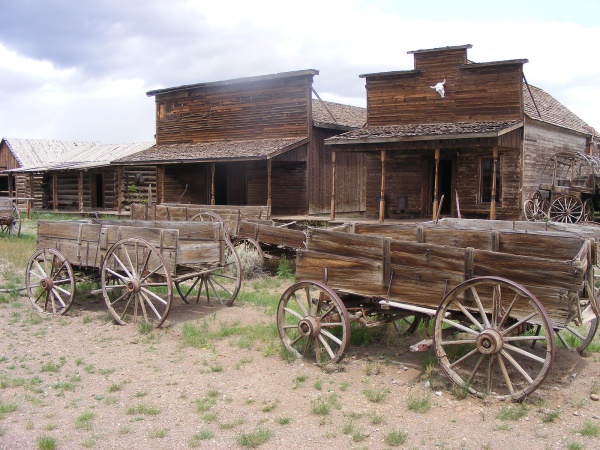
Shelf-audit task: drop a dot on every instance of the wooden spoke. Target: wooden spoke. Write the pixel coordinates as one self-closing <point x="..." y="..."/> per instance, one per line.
<point x="251" y="248"/>
<point x="407" y="325"/>
<point x="50" y="282"/>
<point x="136" y="283"/>
<point x="493" y="357"/>
<point x="321" y="331"/>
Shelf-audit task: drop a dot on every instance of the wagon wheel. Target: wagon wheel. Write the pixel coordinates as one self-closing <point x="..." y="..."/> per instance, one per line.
<point x="251" y="247"/>
<point x="220" y="282"/>
<point x="537" y="195"/>
<point x="493" y="337"/>
<point x="50" y="282"/>
<point x="12" y="224"/>
<point x="536" y="209"/>
<point x="210" y="216"/>
<point x="579" y="331"/>
<point x="407" y="325"/>
<point x="566" y="209"/>
<point x="588" y="210"/>
<point x="136" y="283"/>
<point x="313" y="322"/>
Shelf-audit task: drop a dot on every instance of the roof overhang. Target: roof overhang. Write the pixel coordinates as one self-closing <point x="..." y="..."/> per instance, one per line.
<point x="408" y="137"/>
<point x="209" y="152"/>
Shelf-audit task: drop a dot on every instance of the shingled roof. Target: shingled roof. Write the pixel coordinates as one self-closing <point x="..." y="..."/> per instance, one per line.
<point x="337" y="116"/>
<point x="214" y="151"/>
<point x="551" y="111"/>
<point x="414" y="132"/>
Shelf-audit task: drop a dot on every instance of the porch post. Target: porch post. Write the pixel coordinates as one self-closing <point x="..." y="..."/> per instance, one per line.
<point x="80" y="191"/>
<point x="494" y="170"/>
<point x="161" y="173"/>
<point x="269" y="185"/>
<point x="382" y="195"/>
<point x="435" y="183"/>
<point x="212" y="183"/>
<point x="332" y="214"/>
<point x="55" y="191"/>
<point x="119" y="192"/>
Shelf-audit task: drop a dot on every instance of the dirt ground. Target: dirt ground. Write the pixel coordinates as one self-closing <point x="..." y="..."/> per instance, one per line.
<point x="88" y="383"/>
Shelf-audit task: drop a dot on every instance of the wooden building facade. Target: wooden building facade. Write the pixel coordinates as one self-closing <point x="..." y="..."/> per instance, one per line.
<point x="453" y="135"/>
<point x="249" y="141"/>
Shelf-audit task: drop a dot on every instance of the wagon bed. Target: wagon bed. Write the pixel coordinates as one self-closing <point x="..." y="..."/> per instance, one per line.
<point x="137" y="262"/>
<point x="500" y="293"/>
<point x="10" y="218"/>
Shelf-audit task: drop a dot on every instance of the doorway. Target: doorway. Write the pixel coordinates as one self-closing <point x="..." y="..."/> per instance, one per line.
<point x="220" y="184"/>
<point x="97" y="182"/>
<point x="446" y="182"/>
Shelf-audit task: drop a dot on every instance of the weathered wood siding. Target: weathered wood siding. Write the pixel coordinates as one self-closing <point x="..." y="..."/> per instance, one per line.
<point x="350" y="177"/>
<point x="195" y="176"/>
<point x="260" y="109"/>
<point x="473" y="92"/>
<point x="136" y="182"/>
<point x="289" y="190"/>
<point x="541" y="141"/>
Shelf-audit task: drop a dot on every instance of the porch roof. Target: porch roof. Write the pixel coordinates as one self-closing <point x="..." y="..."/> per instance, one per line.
<point x="422" y="132"/>
<point x="214" y="151"/>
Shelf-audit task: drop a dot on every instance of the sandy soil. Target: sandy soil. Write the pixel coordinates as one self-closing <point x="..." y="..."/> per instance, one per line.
<point x="88" y="383"/>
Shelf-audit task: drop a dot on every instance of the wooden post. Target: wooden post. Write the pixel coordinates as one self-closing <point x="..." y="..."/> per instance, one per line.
<point x="161" y="171"/>
<point x="435" y="183"/>
<point x="80" y="191"/>
<point x="55" y="191"/>
<point x="269" y="184"/>
<point x="30" y="194"/>
<point x="119" y="191"/>
<point x="28" y="210"/>
<point x="212" y="183"/>
<point x="332" y="213"/>
<point x="494" y="169"/>
<point x="382" y="194"/>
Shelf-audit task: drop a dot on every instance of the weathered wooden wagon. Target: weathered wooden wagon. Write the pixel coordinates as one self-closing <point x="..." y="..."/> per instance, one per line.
<point x="496" y="297"/>
<point x="569" y="190"/>
<point x="10" y="218"/>
<point x="138" y="263"/>
<point x="270" y="239"/>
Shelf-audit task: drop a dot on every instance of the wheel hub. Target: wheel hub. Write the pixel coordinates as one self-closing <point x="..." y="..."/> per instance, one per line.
<point x="134" y="286"/>
<point x="309" y="327"/>
<point x="47" y="284"/>
<point x="489" y="342"/>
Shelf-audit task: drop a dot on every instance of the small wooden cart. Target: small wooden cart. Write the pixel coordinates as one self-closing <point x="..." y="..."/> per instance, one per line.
<point x="138" y="263"/>
<point x="496" y="297"/>
<point x="10" y="218"/>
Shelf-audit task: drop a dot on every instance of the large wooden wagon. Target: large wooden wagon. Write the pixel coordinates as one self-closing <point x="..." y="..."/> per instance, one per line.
<point x="138" y="265"/>
<point x="496" y="297"/>
<point x="10" y="218"/>
<point x="569" y="190"/>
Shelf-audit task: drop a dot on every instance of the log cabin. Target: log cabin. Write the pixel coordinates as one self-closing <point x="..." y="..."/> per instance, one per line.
<point x="73" y="175"/>
<point x="451" y="135"/>
<point x="251" y="141"/>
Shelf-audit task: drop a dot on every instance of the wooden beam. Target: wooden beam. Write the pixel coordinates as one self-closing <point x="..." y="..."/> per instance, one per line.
<point x="382" y="194"/>
<point x="332" y="213"/>
<point x="494" y="171"/>
<point x="55" y="191"/>
<point x="212" y="183"/>
<point x="80" y="191"/>
<point x="435" y="183"/>
<point x="269" y="184"/>
<point x="119" y="191"/>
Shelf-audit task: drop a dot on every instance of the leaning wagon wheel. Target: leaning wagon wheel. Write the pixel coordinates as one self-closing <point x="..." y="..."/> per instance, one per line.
<point x="313" y="322"/>
<point x="250" y="247"/>
<point x="493" y="337"/>
<point x="536" y="209"/>
<point x="219" y="282"/>
<point x="50" y="282"/>
<point x="136" y="283"/>
<point x="12" y="224"/>
<point x="588" y="210"/>
<point x="580" y="330"/>
<point x="210" y="216"/>
<point x="566" y="209"/>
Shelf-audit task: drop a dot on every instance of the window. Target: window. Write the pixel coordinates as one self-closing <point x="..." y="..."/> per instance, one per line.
<point x="487" y="170"/>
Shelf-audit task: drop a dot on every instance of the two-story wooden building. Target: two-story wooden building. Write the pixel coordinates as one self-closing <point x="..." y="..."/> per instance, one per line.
<point x="474" y="134"/>
<point x="252" y="141"/>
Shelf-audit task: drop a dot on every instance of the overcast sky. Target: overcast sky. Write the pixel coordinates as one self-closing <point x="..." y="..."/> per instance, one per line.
<point x="80" y="70"/>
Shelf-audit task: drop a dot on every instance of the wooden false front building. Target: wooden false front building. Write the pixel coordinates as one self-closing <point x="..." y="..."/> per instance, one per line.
<point x="454" y="136"/>
<point x="250" y="141"/>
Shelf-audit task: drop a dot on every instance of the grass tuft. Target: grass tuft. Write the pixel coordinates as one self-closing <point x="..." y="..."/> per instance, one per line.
<point x="255" y="438"/>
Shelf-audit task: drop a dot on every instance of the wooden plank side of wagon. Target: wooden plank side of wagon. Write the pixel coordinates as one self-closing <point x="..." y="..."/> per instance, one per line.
<point x="205" y="231"/>
<point x="267" y="233"/>
<point x="401" y="232"/>
<point x="77" y="241"/>
<point x="345" y="244"/>
<point x="359" y="276"/>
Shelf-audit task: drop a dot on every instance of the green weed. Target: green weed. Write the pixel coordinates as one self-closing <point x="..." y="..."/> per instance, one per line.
<point x="254" y="439"/>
